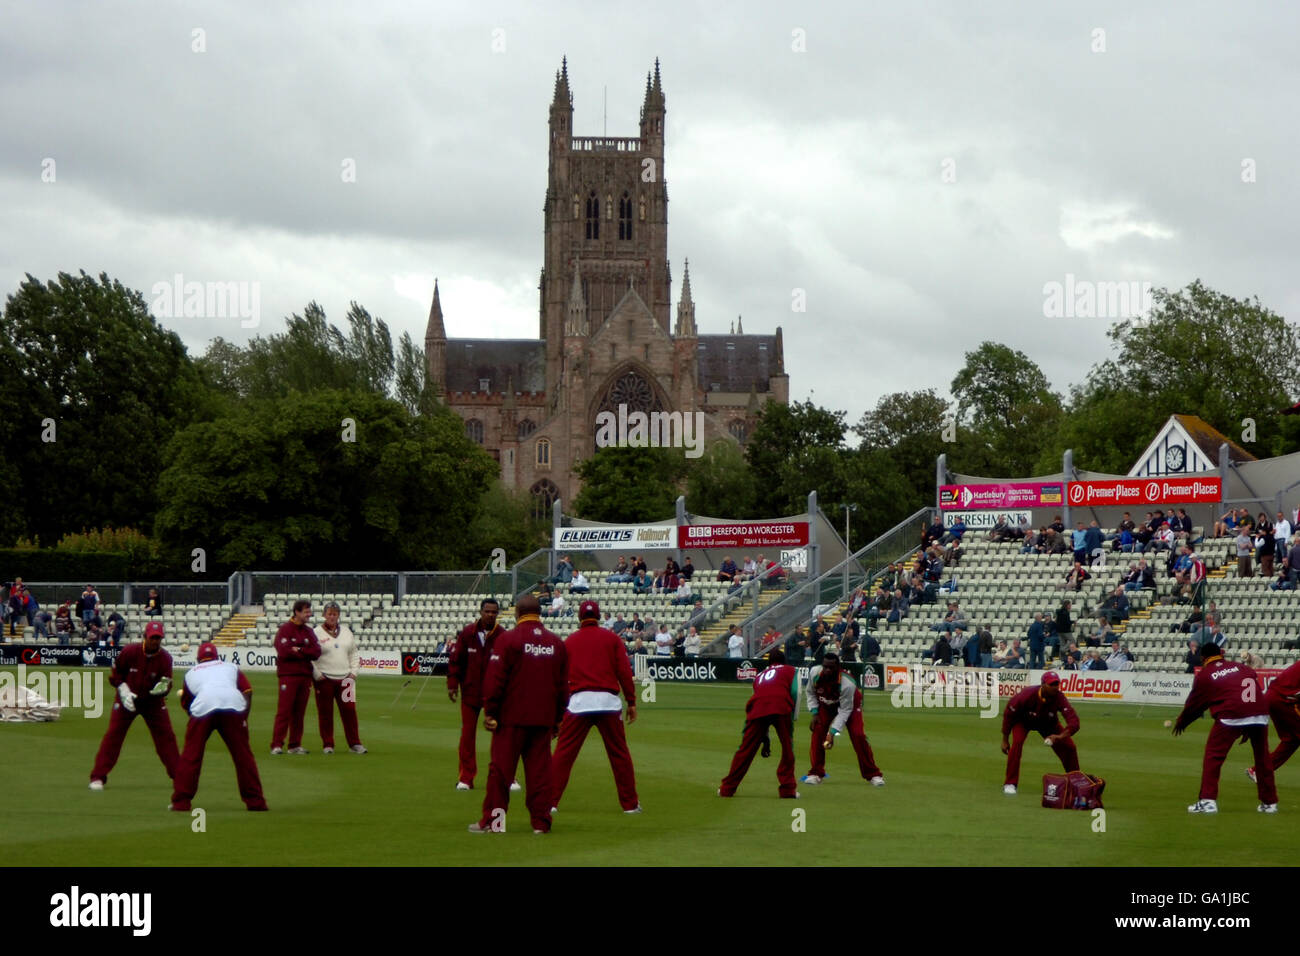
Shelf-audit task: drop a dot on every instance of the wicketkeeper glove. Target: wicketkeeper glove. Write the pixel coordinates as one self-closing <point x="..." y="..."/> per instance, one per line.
<point x="162" y="687"/>
<point x="128" y="699"/>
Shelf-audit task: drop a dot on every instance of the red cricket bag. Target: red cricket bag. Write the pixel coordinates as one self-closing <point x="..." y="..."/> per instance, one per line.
<point x="1075" y="790"/>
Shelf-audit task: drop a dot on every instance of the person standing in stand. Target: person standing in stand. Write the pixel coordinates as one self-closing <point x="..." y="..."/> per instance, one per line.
<point x="334" y="676"/>
<point x="218" y="697"/>
<point x="524" y="696"/>
<point x="467" y="661"/>
<point x="296" y="648"/>
<point x="771" y="707"/>
<point x="142" y="675"/>
<point x="598" y="670"/>
<point x="1230" y="691"/>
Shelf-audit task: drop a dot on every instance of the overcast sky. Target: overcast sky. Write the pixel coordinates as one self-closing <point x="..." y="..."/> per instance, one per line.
<point x="921" y="171"/>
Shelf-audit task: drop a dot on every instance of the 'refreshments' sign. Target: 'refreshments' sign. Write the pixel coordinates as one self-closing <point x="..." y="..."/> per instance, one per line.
<point x="775" y="534"/>
<point x="1005" y="496"/>
<point x="613" y="538"/>
<point x="1146" y="491"/>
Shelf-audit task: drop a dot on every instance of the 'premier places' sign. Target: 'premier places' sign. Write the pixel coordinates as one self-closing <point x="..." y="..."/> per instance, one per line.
<point x="1146" y="491"/>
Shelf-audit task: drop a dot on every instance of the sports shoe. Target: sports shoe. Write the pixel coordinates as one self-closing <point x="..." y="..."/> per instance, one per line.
<point x="475" y="828"/>
<point x="358" y="749"/>
<point x="299" y="751"/>
<point x="1250" y="772"/>
<point x="276" y="751"/>
<point x="462" y="785"/>
<point x="636" y="809"/>
<point x="1009" y="789"/>
<point x="811" y="779"/>
<point x="1267" y="808"/>
<point x="179" y="807"/>
<point x="877" y="781"/>
<point x="514" y="786"/>
<point x="1204" y="806"/>
<point x="96" y="785"/>
<point x="327" y="750"/>
<point x="541" y="832"/>
<point x="766" y="750"/>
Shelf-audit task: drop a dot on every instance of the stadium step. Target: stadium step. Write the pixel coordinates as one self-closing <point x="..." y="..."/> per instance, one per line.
<point x="233" y="630"/>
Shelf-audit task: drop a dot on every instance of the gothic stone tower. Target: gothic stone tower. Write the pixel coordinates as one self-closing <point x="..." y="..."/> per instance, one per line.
<point x="605" y="337"/>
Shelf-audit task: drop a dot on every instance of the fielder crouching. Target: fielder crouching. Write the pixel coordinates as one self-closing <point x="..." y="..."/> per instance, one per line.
<point x="218" y="697"/>
<point x="1039" y="709"/>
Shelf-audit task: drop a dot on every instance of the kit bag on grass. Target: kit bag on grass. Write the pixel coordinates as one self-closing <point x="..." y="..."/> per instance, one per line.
<point x="1073" y="791"/>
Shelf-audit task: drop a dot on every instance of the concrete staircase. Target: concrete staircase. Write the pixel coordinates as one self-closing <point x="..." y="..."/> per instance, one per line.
<point x="233" y="629"/>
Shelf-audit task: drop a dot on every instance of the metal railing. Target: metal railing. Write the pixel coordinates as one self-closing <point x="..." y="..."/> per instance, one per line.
<point x="836" y="583"/>
<point x="50" y="594"/>
<point x="748" y="592"/>
<point x="530" y="572"/>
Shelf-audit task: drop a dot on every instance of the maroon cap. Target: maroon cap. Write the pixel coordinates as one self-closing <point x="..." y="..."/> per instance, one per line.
<point x="589" y="611"/>
<point x="208" y="651"/>
<point x="1051" y="677"/>
<point x="153" y="627"/>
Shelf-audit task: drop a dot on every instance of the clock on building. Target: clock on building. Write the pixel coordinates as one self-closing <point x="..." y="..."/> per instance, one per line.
<point x="1175" y="460"/>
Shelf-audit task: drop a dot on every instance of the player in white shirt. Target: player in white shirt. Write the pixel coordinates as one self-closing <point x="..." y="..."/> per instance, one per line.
<point x="335" y="677"/>
<point x="218" y="697"/>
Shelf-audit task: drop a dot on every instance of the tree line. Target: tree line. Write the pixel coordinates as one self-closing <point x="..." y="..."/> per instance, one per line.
<point x="321" y="447"/>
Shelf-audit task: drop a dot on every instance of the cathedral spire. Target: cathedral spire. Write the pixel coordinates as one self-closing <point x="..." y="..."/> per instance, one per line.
<point x="686" y="307"/>
<point x="780" y="353"/>
<point x="740" y="328"/>
<point x="435" y="343"/>
<point x="435" y="329"/>
<point x="562" y="95"/>
<point x="575" y="322"/>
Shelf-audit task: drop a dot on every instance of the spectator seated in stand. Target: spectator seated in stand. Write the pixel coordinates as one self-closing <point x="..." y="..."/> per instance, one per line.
<point x="153" y="603"/>
<point x="683" y="594"/>
<point x="619" y="625"/>
<point x="1094" y="662"/>
<point x="1119" y="658"/>
<point x="563" y="571"/>
<point x="1075" y="577"/>
<point x="621" y="574"/>
<point x="641" y="584"/>
<point x="940" y="653"/>
<point x="727" y="571"/>
<point x="955" y="618"/>
<point x="579" y="585"/>
<point x="1116" y="607"/>
<point x="1073" y="657"/>
<point x="687" y="570"/>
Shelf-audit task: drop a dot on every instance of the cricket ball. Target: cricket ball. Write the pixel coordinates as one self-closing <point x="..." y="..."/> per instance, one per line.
<point x="185" y="648"/>
<point x="1169" y="723"/>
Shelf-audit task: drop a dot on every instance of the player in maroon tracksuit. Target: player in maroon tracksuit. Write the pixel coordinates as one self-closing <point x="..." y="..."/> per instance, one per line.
<point x="1230" y="690"/>
<point x="142" y="675"/>
<point x="467" y="660"/>
<point x="1037" y="708"/>
<point x="772" y="707"/>
<point x="295" y="648"/>
<point x="218" y="697"/>
<point x="1283" y="699"/>
<point x="598" y="670"/>
<point x="524" y="695"/>
<point x="835" y="702"/>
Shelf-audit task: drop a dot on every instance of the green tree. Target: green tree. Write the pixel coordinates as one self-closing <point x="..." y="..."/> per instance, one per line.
<point x="410" y="378"/>
<point x="625" y="485"/>
<point x="720" y="484"/>
<point x="327" y="479"/>
<point x="505" y="519"/>
<point x="909" y="429"/>
<point x="93" y="389"/>
<point x="796" y="449"/>
<point x="1005" y="408"/>
<point x="1198" y="352"/>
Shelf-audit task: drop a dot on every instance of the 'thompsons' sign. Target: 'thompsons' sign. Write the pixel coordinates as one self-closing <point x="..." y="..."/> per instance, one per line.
<point x="1146" y="491"/>
<point x="637" y="537"/>
<point x="774" y="534"/>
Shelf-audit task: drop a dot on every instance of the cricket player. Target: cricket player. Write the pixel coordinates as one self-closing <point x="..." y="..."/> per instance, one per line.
<point x="334" y="675"/>
<point x="218" y="697"/>
<point x="1039" y="708"/>
<point x="142" y="675"/>
<point x="835" y="703"/>
<point x="467" y="660"/>
<point x="524" y="696"/>
<point x="598" y="670"/>
<point x="296" y="648"/>
<point x="771" y="707"/>
<point x="1283" y="699"/>
<point x="1230" y="691"/>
